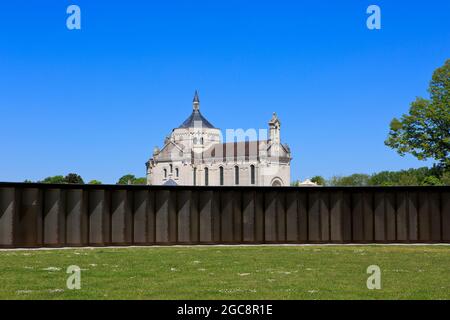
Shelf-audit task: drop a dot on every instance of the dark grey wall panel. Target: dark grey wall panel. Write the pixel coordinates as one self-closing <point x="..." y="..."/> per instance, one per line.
<point x="336" y="217"/>
<point x="346" y="221"/>
<point x="237" y="216"/>
<point x="292" y="216"/>
<point x="205" y="214"/>
<point x="248" y="216"/>
<point x="195" y="221"/>
<point x="368" y="214"/>
<point x="30" y="218"/>
<point x="173" y="223"/>
<point x="402" y="216"/>
<point x="121" y="217"/>
<point x="302" y="207"/>
<point x="324" y="217"/>
<point x="270" y="217"/>
<point x="445" y="205"/>
<point x="184" y="216"/>
<point x="259" y="216"/>
<point x="380" y="216"/>
<point x="99" y="218"/>
<point x="54" y="231"/>
<point x="162" y="216"/>
<point x="140" y="207"/>
<point x="314" y="216"/>
<point x="424" y="217"/>
<point x="227" y="216"/>
<point x="77" y="224"/>
<point x="357" y="216"/>
<point x="281" y="217"/>
<point x="391" y="221"/>
<point x="413" y="226"/>
<point x="7" y="214"/>
<point x="216" y="228"/>
<point x="435" y="217"/>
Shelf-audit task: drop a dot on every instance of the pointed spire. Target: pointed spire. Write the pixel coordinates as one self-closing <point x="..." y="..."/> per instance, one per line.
<point x="196" y="101"/>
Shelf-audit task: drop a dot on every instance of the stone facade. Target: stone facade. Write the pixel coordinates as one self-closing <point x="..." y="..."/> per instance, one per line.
<point x="194" y="154"/>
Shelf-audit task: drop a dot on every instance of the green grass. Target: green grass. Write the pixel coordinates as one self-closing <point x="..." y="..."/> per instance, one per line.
<point x="254" y="272"/>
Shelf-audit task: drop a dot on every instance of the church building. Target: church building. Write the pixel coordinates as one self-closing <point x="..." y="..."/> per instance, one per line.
<point x="194" y="154"/>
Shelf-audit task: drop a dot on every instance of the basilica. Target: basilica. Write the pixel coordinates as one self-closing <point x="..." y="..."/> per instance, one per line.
<point x="195" y="154"/>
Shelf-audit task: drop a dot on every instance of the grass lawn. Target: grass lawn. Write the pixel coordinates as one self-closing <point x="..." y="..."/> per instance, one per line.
<point x="224" y="272"/>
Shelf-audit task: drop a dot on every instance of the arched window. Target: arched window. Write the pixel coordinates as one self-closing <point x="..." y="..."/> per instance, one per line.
<point x="195" y="140"/>
<point x="171" y="168"/>
<point x="236" y="175"/>
<point x="221" y="175"/>
<point x="206" y="176"/>
<point x="177" y="172"/>
<point x="252" y="174"/>
<point x="201" y="140"/>
<point x="195" y="176"/>
<point x="165" y="173"/>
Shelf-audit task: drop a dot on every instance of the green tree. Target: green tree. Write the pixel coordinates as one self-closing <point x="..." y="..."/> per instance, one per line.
<point x="445" y="179"/>
<point x="73" y="178"/>
<point x="319" y="180"/>
<point x="142" y="180"/>
<point x="357" y="179"/>
<point x="54" y="179"/>
<point x="127" y="179"/>
<point x="95" y="182"/>
<point x="425" y="131"/>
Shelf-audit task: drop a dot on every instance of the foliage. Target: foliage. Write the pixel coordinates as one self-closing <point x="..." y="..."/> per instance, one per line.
<point x="142" y="180"/>
<point x="295" y="183"/>
<point x="425" y="131"/>
<point x="357" y="179"/>
<point x="54" y="179"/>
<point x="95" y="182"/>
<point x="424" y="176"/>
<point x="319" y="180"/>
<point x="73" y="178"/>
<point x="131" y="179"/>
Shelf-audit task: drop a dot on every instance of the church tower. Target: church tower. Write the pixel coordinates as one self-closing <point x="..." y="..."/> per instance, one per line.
<point x="274" y="135"/>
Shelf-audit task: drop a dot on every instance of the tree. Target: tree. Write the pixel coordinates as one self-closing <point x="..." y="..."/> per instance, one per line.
<point x="73" y="178"/>
<point x="357" y="179"/>
<point x="127" y="179"/>
<point x="319" y="180"/>
<point x="94" y="182"/>
<point x="445" y="179"/>
<point x="142" y="180"/>
<point x="53" y="179"/>
<point x="425" y="131"/>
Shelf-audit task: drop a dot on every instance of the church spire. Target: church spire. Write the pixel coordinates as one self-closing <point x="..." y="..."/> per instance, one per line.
<point x="196" y="102"/>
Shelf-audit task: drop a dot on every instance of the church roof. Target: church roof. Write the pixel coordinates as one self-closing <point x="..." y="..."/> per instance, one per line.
<point x="196" y="119"/>
<point x="170" y="182"/>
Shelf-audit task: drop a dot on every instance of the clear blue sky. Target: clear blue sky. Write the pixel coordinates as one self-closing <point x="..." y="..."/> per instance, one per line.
<point x="96" y="101"/>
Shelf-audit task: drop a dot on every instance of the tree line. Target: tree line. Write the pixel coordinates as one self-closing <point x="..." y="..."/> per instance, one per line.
<point x="73" y="178"/>
<point x="424" y="176"/>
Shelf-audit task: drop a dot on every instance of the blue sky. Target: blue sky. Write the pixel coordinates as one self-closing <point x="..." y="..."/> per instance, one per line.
<point x="96" y="101"/>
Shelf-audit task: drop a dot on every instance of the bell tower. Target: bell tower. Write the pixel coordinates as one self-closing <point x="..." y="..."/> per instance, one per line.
<point x="274" y="129"/>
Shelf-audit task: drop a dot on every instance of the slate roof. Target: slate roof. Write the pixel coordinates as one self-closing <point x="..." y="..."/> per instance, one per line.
<point x="196" y="120"/>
